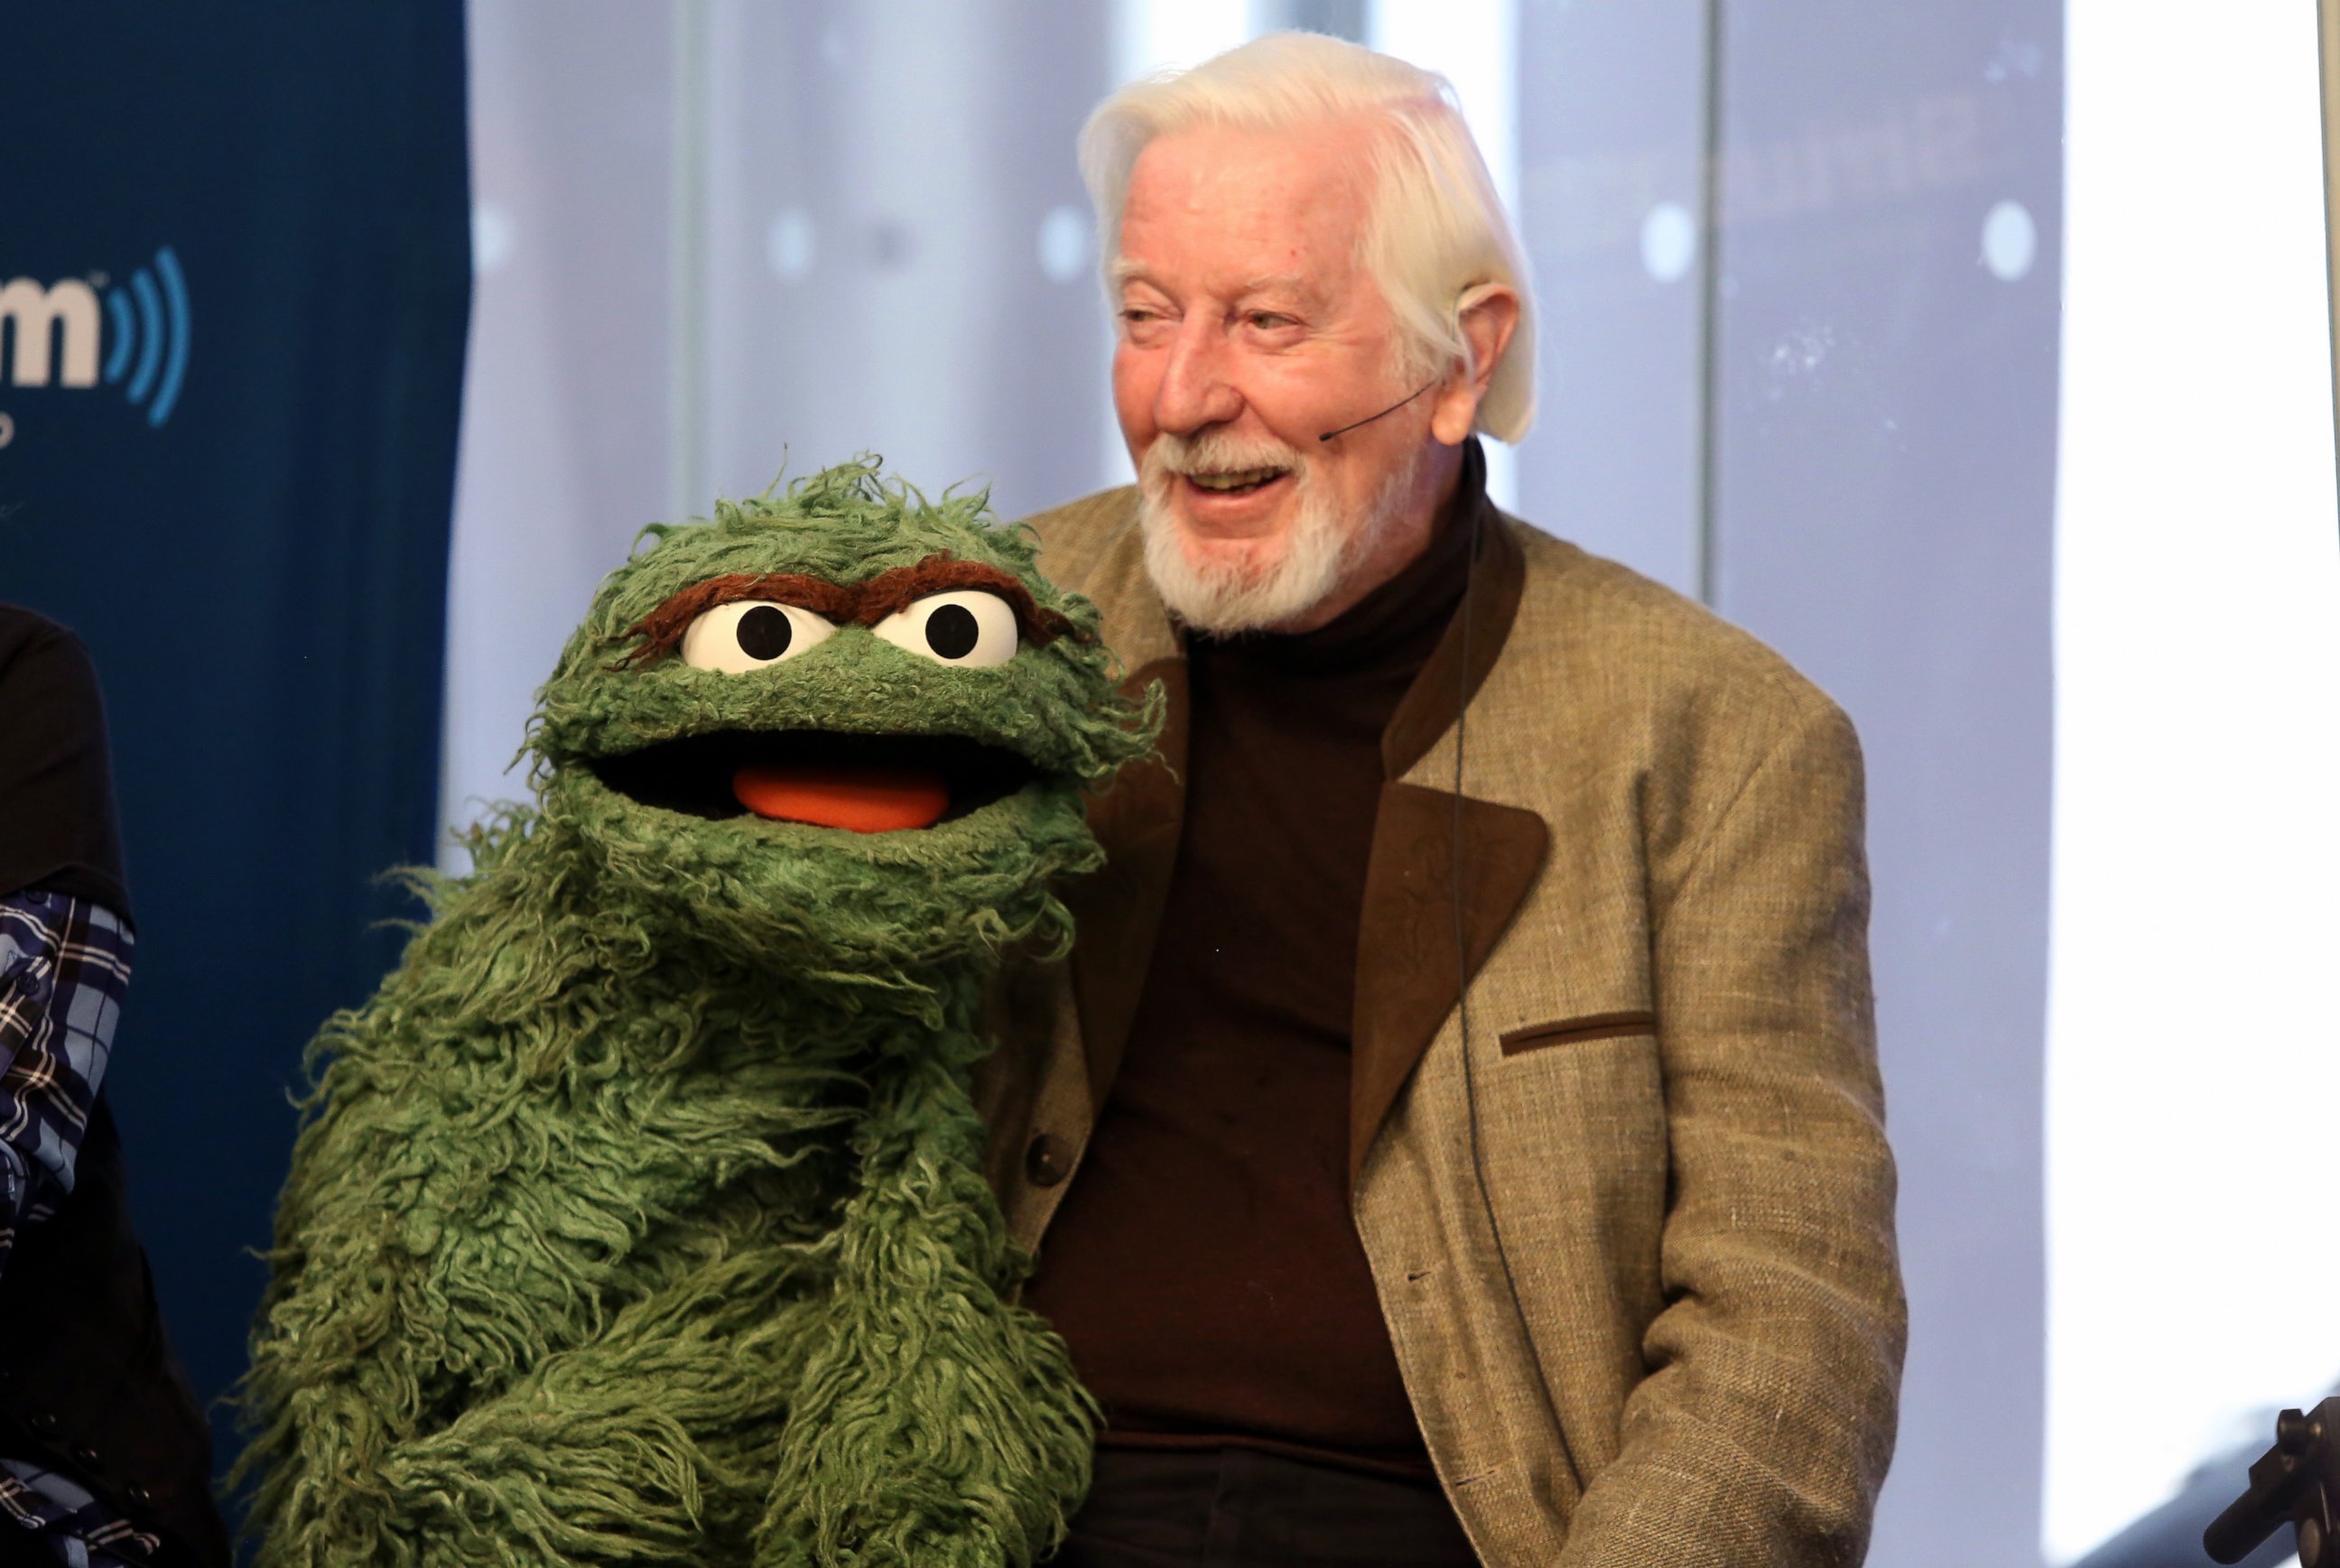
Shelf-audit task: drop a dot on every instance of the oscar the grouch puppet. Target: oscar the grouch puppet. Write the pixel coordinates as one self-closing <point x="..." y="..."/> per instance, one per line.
<point x="637" y="1218"/>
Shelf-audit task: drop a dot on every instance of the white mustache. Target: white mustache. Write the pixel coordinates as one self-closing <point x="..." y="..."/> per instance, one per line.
<point x="1214" y="452"/>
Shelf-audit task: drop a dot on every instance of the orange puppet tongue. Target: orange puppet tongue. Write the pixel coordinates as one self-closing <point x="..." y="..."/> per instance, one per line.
<point x="863" y="800"/>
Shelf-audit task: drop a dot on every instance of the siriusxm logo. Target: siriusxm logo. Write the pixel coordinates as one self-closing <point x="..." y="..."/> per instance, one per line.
<point x="54" y="334"/>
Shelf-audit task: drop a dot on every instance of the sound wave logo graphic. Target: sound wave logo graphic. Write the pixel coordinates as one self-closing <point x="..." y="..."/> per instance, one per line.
<point x="158" y="339"/>
<point x="147" y="330"/>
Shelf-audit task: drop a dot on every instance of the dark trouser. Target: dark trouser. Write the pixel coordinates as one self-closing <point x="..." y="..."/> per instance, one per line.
<point x="1238" y="1508"/>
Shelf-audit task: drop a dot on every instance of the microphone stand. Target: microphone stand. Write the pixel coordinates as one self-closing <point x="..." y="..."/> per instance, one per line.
<point x="2296" y="1480"/>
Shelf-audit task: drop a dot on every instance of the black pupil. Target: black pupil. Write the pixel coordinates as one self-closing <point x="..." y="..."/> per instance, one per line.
<point x="765" y="632"/>
<point x="951" y="632"/>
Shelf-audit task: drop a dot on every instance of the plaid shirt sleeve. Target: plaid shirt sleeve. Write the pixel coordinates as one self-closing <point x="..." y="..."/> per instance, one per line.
<point x="66" y="1517"/>
<point x="65" y="963"/>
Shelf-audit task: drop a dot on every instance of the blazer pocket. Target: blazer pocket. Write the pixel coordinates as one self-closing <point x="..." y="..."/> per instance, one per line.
<point x="1571" y="1031"/>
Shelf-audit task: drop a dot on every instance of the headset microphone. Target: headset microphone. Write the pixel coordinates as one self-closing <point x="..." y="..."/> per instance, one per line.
<point x="1468" y="300"/>
<point x="1369" y="419"/>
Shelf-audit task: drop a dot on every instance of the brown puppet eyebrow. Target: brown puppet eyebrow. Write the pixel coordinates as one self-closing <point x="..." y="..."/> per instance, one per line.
<point x="861" y="603"/>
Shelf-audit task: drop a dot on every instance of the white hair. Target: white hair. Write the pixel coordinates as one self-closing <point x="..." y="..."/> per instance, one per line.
<point x="1436" y="229"/>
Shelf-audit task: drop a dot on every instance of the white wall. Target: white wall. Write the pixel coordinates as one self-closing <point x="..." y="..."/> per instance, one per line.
<point x="2194" y="1002"/>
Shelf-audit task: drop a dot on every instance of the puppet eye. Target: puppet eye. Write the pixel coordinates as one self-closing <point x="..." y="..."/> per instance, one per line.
<point x="750" y="633"/>
<point x="966" y="627"/>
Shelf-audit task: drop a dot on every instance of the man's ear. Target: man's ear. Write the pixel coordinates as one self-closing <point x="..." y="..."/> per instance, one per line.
<point x="1488" y="313"/>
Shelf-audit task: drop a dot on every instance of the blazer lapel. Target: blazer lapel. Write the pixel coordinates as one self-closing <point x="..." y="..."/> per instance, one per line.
<point x="1408" y="976"/>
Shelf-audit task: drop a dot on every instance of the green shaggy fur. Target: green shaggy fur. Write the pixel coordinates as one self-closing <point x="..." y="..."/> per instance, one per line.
<point x="637" y="1218"/>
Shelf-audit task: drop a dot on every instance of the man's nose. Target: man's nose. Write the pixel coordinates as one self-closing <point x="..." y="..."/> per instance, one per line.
<point x="1197" y="390"/>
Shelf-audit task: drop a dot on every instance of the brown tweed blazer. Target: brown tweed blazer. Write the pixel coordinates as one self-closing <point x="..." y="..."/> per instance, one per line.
<point x="1638" y="1260"/>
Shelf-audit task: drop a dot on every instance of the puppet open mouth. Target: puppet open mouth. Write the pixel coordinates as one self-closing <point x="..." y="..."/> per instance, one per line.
<point x="867" y="783"/>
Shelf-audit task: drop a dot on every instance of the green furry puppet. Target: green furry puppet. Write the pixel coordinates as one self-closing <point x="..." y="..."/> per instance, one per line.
<point x="638" y="1217"/>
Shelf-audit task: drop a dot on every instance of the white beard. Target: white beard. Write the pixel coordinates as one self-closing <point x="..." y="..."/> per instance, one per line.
<point x="1224" y="597"/>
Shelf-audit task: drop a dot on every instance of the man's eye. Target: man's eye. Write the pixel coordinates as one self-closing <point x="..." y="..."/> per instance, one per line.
<point x="750" y="633"/>
<point x="1270" y="321"/>
<point x="966" y="627"/>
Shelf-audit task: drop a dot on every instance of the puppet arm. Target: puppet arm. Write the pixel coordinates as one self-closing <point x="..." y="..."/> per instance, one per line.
<point x="650" y="1442"/>
<point x="414" y="1284"/>
<point x="937" y="1426"/>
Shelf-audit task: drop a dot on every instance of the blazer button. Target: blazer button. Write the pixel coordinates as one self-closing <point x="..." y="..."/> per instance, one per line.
<point x="44" y="1422"/>
<point x="140" y="1497"/>
<point x="1045" y="1162"/>
<point x="87" y="1455"/>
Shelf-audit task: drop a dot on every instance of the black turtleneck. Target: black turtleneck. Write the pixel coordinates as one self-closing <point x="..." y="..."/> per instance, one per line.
<point x="1203" y="1266"/>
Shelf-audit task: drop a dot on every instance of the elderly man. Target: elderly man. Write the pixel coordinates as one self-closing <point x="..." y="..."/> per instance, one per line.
<point x="1457" y="1134"/>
